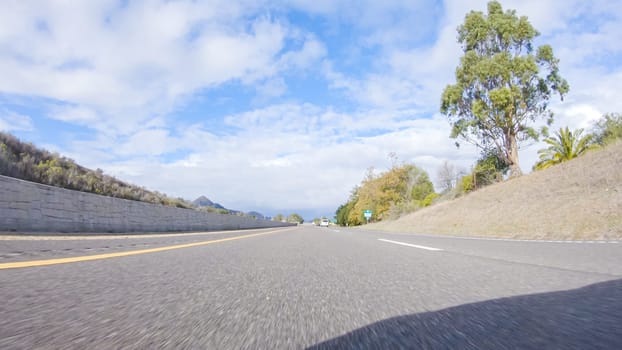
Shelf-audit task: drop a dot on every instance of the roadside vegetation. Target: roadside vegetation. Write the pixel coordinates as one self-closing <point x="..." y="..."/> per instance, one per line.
<point x="293" y="218"/>
<point x="499" y="101"/>
<point x="27" y="162"/>
<point x="402" y="189"/>
<point x="406" y="189"/>
<point x="579" y="199"/>
<point x="608" y="129"/>
<point x="564" y="146"/>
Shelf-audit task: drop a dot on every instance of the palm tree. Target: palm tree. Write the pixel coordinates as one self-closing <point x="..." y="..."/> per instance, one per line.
<point x="566" y="145"/>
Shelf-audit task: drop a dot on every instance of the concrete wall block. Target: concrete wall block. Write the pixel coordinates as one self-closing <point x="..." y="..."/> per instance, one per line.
<point x="14" y="213"/>
<point x="19" y="204"/>
<point x="26" y="206"/>
<point x="35" y="214"/>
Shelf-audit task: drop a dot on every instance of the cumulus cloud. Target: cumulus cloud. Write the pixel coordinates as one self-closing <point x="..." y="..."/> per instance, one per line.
<point x="296" y="156"/>
<point x="10" y="121"/>
<point x="130" y="62"/>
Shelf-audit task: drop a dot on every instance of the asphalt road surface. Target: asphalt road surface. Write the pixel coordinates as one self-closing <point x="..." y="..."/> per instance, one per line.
<point x="308" y="287"/>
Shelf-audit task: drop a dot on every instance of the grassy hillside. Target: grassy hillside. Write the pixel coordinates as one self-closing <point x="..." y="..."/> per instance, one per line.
<point x="579" y="199"/>
<point x="28" y="162"/>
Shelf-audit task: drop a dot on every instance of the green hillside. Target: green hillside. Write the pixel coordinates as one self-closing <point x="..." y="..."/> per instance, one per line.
<point x="27" y="162"/>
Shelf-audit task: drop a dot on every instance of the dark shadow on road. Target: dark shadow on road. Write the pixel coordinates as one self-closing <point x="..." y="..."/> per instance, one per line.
<point x="584" y="318"/>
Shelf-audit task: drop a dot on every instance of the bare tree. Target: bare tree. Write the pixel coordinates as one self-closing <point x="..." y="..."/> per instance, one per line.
<point x="447" y="176"/>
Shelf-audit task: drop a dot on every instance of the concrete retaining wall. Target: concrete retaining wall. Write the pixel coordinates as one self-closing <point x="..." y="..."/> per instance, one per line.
<point x="31" y="207"/>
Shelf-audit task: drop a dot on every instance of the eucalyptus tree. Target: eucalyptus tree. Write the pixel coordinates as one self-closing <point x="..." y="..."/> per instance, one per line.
<point x="503" y="86"/>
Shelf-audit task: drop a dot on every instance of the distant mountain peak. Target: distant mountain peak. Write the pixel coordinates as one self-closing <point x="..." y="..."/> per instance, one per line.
<point x="203" y="201"/>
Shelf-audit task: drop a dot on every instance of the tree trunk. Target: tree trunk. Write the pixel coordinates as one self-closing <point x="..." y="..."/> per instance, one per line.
<point x="515" y="170"/>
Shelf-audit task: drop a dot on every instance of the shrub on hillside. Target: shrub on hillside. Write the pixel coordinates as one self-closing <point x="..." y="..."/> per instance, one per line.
<point x="608" y="129"/>
<point x="429" y="199"/>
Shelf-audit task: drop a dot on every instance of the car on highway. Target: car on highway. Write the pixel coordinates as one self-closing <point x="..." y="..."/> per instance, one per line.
<point x="324" y="223"/>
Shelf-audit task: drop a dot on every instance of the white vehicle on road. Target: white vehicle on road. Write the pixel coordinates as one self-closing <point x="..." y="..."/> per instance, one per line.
<point x="324" y="223"/>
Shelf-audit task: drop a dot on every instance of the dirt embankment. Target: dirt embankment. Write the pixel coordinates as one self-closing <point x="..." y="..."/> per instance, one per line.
<point x="579" y="199"/>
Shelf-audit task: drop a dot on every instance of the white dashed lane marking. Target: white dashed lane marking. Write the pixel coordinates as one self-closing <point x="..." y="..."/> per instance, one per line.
<point x="410" y="245"/>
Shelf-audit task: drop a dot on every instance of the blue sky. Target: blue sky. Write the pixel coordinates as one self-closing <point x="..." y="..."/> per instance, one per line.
<point x="274" y="106"/>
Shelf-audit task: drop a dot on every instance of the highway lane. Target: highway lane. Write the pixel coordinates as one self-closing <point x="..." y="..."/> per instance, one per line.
<point x="318" y="288"/>
<point x="591" y="256"/>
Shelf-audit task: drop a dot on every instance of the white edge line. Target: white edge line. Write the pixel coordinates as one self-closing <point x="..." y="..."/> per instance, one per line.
<point x="512" y="239"/>
<point x="410" y="245"/>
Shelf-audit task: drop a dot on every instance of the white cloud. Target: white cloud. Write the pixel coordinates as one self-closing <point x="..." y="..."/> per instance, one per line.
<point x="312" y="50"/>
<point x="132" y="63"/>
<point x="78" y="115"/>
<point x="294" y="156"/>
<point x="271" y="88"/>
<point x="150" y="142"/>
<point x="10" y="121"/>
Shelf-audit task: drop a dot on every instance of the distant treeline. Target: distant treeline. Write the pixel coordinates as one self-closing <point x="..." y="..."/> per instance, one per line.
<point x="25" y="161"/>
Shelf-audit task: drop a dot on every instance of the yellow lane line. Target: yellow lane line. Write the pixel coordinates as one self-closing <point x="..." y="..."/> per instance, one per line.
<point x="19" y="264"/>
<point x="34" y="236"/>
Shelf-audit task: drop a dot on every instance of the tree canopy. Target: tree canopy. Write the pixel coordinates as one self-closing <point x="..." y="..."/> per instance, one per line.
<point x="502" y="87"/>
<point x="295" y="218"/>
<point x="398" y="190"/>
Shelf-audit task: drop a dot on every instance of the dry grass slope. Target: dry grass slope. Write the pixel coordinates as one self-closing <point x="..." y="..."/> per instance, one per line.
<point x="579" y="199"/>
